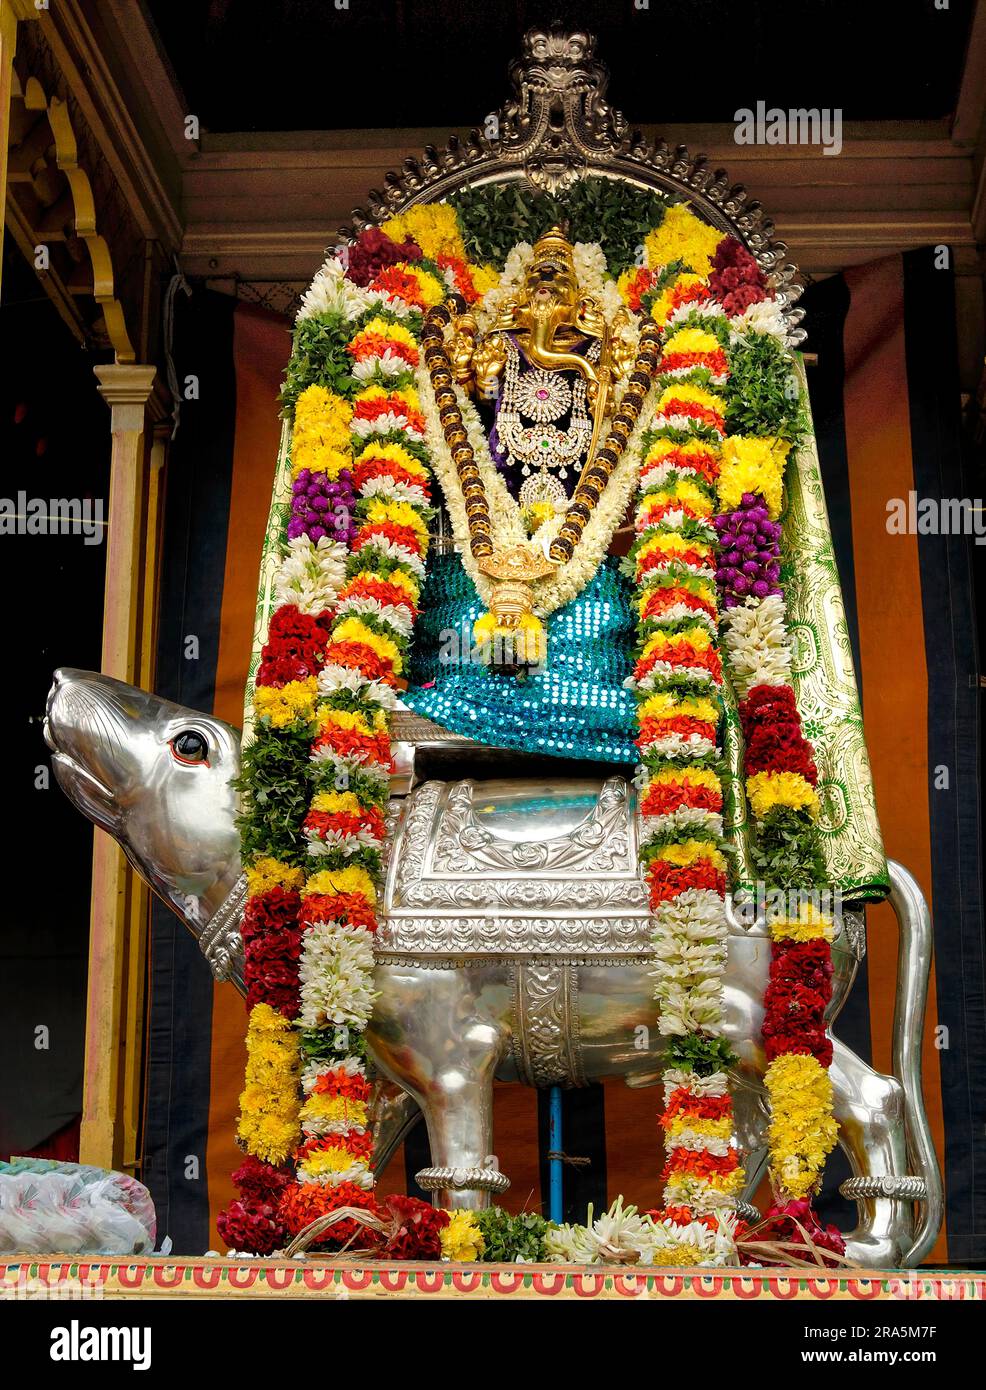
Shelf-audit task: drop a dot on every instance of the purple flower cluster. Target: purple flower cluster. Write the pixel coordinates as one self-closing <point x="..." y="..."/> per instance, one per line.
<point x="323" y="506"/>
<point x="749" y="550"/>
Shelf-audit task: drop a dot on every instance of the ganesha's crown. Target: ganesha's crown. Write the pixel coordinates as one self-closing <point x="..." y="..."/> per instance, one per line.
<point x="554" y="251"/>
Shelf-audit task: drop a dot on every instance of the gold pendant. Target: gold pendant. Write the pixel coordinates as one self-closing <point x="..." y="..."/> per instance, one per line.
<point x="511" y="638"/>
<point x="515" y="568"/>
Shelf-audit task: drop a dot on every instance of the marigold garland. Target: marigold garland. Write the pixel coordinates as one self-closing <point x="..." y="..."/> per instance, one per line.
<point x="677" y="678"/>
<point x="353" y="559"/>
<point x="269" y="1126"/>
<point x="698" y="287"/>
<point x="730" y="309"/>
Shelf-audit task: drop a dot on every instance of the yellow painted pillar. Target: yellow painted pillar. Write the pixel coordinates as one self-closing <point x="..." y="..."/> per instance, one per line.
<point x="138" y="925"/>
<point x="10" y="12"/>
<point x="115" y="933"/>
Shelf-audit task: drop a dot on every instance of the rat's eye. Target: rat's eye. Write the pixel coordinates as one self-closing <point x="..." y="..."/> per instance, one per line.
<point x="190" y="747"/>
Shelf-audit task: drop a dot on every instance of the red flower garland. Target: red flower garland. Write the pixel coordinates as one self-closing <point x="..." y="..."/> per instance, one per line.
<point x="772" y="731"/>
<point x="798" y="993"/>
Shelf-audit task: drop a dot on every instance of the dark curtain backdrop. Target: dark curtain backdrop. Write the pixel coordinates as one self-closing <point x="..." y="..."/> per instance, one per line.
<point x="885" y="397"/>
<point x="54" y="443"/>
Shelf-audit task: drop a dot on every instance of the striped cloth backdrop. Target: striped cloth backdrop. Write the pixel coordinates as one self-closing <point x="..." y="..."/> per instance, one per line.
<point x="885" y="400"/>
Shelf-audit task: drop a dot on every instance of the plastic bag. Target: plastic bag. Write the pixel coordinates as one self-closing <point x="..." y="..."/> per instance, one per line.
<point x="71" y="1209"/>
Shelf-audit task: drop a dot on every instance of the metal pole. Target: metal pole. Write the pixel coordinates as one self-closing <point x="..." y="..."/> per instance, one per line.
<point x="556" y="1207"/>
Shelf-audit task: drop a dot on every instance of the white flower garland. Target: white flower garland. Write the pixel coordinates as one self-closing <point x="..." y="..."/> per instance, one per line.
<point x="310" y="575"/>
<point x="330" y="292"/>
<point x="335" y="973"/>
<point x="333" y="678"/>
<point x="765" y="317"/>
<point x="757" y="645"/>
<point x="689" y="948"/>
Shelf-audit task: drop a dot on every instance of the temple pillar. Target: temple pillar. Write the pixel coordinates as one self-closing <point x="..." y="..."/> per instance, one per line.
<point x="118" y="921"/>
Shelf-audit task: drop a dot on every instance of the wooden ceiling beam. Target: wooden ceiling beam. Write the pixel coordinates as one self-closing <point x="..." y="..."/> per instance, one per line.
<point x="107" y="55"/>
<point x="267" y="210"/>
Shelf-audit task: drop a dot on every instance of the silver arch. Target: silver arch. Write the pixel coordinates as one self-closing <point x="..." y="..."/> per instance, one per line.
<point x="556" y="128"/>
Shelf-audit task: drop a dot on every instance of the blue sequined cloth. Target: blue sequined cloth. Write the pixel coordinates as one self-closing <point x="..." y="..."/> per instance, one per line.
<point x="576" y="706"/>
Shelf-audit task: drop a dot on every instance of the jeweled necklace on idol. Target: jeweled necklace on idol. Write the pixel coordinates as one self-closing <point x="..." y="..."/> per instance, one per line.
<point x="539" y="447"/>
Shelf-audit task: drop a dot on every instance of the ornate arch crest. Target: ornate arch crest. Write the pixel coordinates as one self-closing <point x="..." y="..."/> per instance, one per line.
<point x="558" y="127"/>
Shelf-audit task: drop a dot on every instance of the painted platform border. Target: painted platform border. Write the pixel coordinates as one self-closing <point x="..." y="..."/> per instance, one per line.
<point x="157" y="1278"/>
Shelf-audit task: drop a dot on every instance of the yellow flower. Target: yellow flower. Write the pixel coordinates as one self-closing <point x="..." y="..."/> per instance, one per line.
<point x="430" y="288"/>
<point x="661" y="448"/>
<point x="351" y="719"/>
<point x="434" y="226"/>
<point x="666" y="705"/>
<point x="337" y="1159"/>
<point x="811" y="924"/>
<point x="693" y="776"/>
<point x="625" y="279"/>
<point x="680" y="1253"/>
<point x="287" y="705"/>
<point x="712" y="1129"/>
<point x="752" y="465"/>
<point x="803" y="1131"/>
<point x="689" y="851"/>
<point x="681" y="391"/>
<point x="401" y="577"/>
<point x="317" y="458"/>
<point x="268" y="1126"/>
<point x="406" y="396"/>
<point x="321" y="409"/>
<point x="268" y="1138"/>
<point x="701" y="588"/>
<point x="697" y="637"/>
<point x="691" y="340"/>
<point x="461" y="1238"/>
<point x="382" y="328"/>
<point x="320" y="1106"/>
<point x="395" y="453"/>
<point x="765" y="790"/>
<point x="673" y="543"/>
<point x="320" y="438"/>
<point x="484" y="277"/>
<point x="682" y="237"/>
<point x="400" y="513"/>
<point x="351" y="880"/>
<point x="355" y="630"/>
<point x="264" y="1019"/>
<point x="342" y="719"/>
<point x="537" y="514"/>
<point x="683" y="490"/>
<point x="267" y="873"/>
<point x="528" y="639"/>
<point x="664" y="303"/>
<point x="731" y="1183"/>
<point x="335" y="803"/>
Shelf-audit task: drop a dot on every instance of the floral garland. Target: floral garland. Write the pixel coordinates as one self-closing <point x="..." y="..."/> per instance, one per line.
<point x="709" y="538"/>
<point x="677" y="679"/>
<point x="316" y="776"/>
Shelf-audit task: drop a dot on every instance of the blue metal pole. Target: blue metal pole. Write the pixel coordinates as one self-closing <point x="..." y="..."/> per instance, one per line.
<point x="556" y="1206"/>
